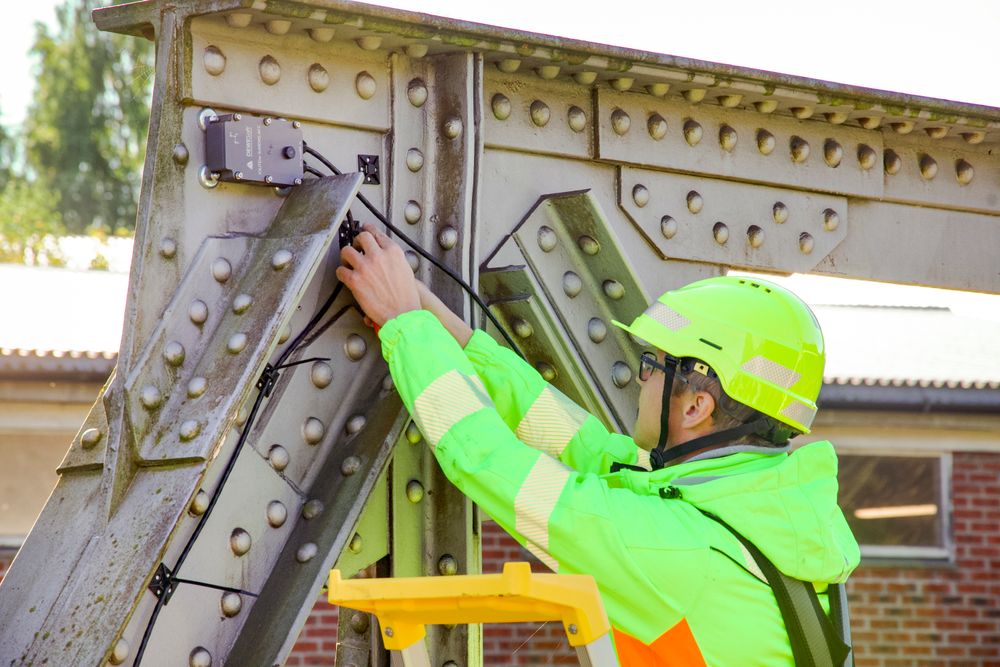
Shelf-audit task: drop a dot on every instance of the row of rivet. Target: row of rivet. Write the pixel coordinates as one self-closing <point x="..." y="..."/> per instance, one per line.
<point x="539" y="113"/>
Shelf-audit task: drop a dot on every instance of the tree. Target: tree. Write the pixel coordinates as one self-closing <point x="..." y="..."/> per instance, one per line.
<point x="85" y="132"/>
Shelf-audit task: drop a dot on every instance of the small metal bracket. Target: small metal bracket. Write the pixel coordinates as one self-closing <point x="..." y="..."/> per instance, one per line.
<point x="349" y="230"/>
<point x="162" y="585"/>
<point x="368" y="165"/>
<point x="268" y="379"/>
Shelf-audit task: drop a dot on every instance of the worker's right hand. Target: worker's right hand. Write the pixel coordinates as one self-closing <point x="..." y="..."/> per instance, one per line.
<point x="380" y="277"/>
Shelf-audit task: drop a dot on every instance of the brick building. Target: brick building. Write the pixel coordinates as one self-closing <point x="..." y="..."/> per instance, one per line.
<point x="916" y="419"/>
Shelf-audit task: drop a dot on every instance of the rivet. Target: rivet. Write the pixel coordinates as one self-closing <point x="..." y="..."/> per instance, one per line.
<point x="522" y="328"/>
<point x="576" y="118"/>
<point x="387" y="383"/>
<point x="893" y="163"/>
<point x="509" y="65"/>
<point x="414" y="160"/>
<point x="276" y="513"/>
<point x="413" y="435"/>
<point x="936" y="132"/>
<point x="806" y="243"/>
<point x="547" y="72"/>
<point x="452" y="127"/>
<point x="903" y="126"/>
<point x="836" y="117"/>
<point x="833" y="153"/>
<point x="242" y="415"/>
<point x="589" y="245"/>
<point x="200" y="503"/>
<point x="799" y="149"/>
<point x="414" y="491"/>
<point x="355" y="347"/>
<point x="312" y="509"/>
<point x="278" y="26"/>
<point x="180" y="154"/>
<point x="447" y="565"/>
<point x="585" y="78"/>
<point x="173" y="353"/>
<point x="572" y="284"/>
<point x="692" y="132"/>
<point x="350" y="465"/>
<point x="239" y="541"/>
<point x="658" y="89"/>
<point x="695" y="202"/>
<point x="830" y="220"/>
<point x="613" y="289"/>
<point x="198" y="312"/>
<point x="765" y="142"/>
<point x="196" y="387"/>
<point x="412" y="212"/>
<point x="306" y="552"/>
<point x="620" y="121"/>
<point x="766" y="106"/>
<point x="657" y="126"/>
<point x="416" y="92"/>
<point x="572" y="628"/>
<point x="321" y="35"/>
<point x="388" y="631"/>
<point x="973" y="138"/>
<point x="447" y="237"/>
<point x="319" y="78"/>
<point x="597" y="330"/>
<point x="120" y="652"/>
<point x="780" y="212"/>
<point x="501" y="106"/>
<point x="168" y="248"/>
<point x="90" y="438"/>
<point x="369" y="42"/>
<point x="281" y="259"/>
<point x="412" y="260"/>
<point x="242" y="303"/>
<point x="546" y="238"/>
<point x="222" y="269"/>
<point x="214" y="60"/>
<point x="239" y="19"/>
<point x="668" y="227"/>
<point x="236" y="343"/>
<point x="621" y="374"/>
<point x="321" y="374"/>
<point x="285" y="333"/>
<point x="721" y="233"/>
<point x="231" y="604"/>
<point x="866" y="157"/>
<point x="356" y="544"/>
<point x="189" y="430"/>
<point x="801" y="113"/>
<point x="640" y="195"/>
<point x="278" y="457"/>
<point x="416" y="50"/>
<point x="313" y="430"/>
<point x="870" y="122"/>
<point x="727" y="138"/>
<point x="729" y="101"/>
<point x="694" y="95"/>
<point x="622" y="84"/>
<point x="546" y="370"/>
<point x="964" y="172"/>
<point x="928" y="167"/>
<point x="200" y="657"/>
<point x="755" y="236"/>
<point x="355" y="424"/>
<point x="270" y="70"/>
<point x="365" y="84"/>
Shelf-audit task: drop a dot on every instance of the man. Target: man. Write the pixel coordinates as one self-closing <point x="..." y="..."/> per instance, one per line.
<point x="737" y="368"/>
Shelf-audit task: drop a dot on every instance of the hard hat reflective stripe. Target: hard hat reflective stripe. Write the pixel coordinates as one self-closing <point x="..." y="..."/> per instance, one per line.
<point x="667" y="316"/>
<point x="642" y="459"/>
<point x="535" y="502"/>
<point x="772" y="371"/>
<point x="799" y="412"/>
<point x="551" y="422"/>
<point x="446" y="401"/>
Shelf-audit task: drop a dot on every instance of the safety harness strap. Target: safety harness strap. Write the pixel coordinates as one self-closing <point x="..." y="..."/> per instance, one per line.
<point x="816" y="640"/>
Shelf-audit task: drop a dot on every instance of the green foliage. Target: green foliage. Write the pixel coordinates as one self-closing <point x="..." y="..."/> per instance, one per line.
<point x="28" y="223"/>
<point x="85" y="132"/>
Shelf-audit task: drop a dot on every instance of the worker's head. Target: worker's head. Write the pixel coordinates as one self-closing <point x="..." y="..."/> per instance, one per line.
<point x="735" y="351"/>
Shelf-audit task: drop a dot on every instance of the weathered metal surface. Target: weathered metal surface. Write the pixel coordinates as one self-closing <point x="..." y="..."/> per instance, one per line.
<point x="669" y="170"/>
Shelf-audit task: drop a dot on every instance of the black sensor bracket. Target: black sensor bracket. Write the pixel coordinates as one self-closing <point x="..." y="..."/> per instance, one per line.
<point x="242" y="148"/>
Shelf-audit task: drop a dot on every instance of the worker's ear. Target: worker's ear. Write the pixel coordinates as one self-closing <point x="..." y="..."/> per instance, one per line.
<point x="698" y="407"/>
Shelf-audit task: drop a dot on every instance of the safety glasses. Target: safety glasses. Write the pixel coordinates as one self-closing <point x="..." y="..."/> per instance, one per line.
<point x="648" y="363"/>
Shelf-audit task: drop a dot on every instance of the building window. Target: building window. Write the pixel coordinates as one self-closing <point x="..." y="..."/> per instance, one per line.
<point x="897" y="505"/>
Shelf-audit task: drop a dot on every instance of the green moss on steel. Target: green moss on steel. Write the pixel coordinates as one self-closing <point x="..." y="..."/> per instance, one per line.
<point x="615" y="65"/>
<point x="524" y="50"/>
<point x="769" y="88"/>
<point x="290" y="9"/>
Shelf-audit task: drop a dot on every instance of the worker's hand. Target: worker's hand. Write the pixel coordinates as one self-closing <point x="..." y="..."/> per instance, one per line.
<point x="379" y="276"/>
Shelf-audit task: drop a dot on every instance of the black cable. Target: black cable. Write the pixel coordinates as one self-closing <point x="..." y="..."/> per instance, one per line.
<point x="423" y="253"/>
<point x="312" y="170"/>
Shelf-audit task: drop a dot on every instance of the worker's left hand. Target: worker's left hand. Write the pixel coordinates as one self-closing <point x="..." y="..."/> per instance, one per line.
<point x="379" y="276"/>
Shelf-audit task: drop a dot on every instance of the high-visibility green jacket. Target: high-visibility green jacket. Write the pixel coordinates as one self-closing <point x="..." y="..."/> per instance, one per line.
<point x="678" y="588"/>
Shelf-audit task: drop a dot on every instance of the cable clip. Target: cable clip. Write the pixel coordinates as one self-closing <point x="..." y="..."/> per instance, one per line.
<point x="162" y="584"/>
<point x="268" y="379"/>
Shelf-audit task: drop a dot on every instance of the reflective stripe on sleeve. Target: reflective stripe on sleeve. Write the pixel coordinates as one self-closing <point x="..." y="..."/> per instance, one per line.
<point x="642" y="459"/>
<point x="446" y="401"/>
<point x="551" y="422"/>
<point x="535" y="502"/>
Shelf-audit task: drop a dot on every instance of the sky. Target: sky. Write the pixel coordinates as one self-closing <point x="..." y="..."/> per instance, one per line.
<point x="918" y="47"/>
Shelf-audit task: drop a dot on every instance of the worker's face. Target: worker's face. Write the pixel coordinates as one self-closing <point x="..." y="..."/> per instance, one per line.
<point x="647" y="424"/>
